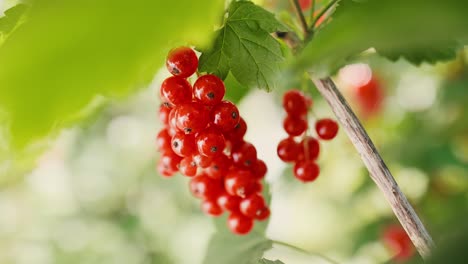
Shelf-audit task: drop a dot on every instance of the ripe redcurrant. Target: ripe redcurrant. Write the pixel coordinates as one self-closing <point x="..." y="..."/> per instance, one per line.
<point x="211" y="207"/>
<point x="326" y="128"/>
<point x="288" y="150"/>
<point x="245" y="155"/>
<point x="163" y="141"/>
<point x="252" y="205"/>
<point x="239" y="182"/>
<point x="225" y="115"/>
<point x="210" y="142"/>
<point x="176" y="90"/>
<point x="229" y="202"/>
<point x="309" y="149"/>
<point x="209" y="89"/>
<point x="188" y="167"/>
<point x="240" y="224"/>
<point x="306" y="171"/>
<point x="295" y="103"/>
<point x="295" y="125"/>
<point x="219" y="166"/>
<point x="191" y="118"/>
<point x="182" y="61"/>
<point x="183" y="145"/>
<point x="205" y="187"/>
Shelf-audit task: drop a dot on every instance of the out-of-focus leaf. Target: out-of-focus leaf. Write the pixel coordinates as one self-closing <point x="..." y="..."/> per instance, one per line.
<point x="234" y="90"/>
<point x="245" y="47"/>
<point x="69" y="52"/>
<point x="266" y="261"/>
<point x="419" y="30"/>
<point x="11" y="19"/>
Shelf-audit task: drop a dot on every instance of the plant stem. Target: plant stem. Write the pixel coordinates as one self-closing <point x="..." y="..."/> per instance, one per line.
<point x="322" y="12"/>
<point x="305" y="251"/>
<point x="312" y="11"/>
<point x="378" y="170"/>
<point x="297" y="9"/>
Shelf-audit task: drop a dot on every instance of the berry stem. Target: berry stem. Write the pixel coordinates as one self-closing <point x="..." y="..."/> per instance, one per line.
<point x="322" y="12"/>
<point x="379" y="171"/>
<point x="304" y="251"/>
<point x="297" y="9"/>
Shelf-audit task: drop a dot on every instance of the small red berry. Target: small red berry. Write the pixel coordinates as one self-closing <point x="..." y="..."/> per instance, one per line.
<point x="209" y="89"/>
<point x="252" y="205"/>
<point x="370" y="97"/>
<point x="183" y="145"/>
<point x="240" y="224"/>
<point x="225" y="116"/>
<point x="245" y="155"/>
<point x="163" y="141"/>
<point x="259" y="170"/>
<point x="164" y="112"/>
<point x="211" y="207"/>
<point x="263" y="214"/>
<point x="288" y="150"/>
<point x="306" y="171"/>
<point x="164" y="170"/>
<point x="295" y="103"/>
<point x="326" y="128"/>
<point x="295" y="125"/>
<point x="239" y="182"/>
<point x="238" y="132"/>
<point x="170" y="161"/>
<point x="176" y="90"/>
<point x="210" y="142"/>
<point x="229" y="202"/>
<point x="309" y="149"/>
<point x="219" y="166"/>
<point x="191" y="118"/>
<point x="205" y="187"/>
<point x="182" y="61"/>
<point x="202" y="161"/>
<point x="188" y="167"/>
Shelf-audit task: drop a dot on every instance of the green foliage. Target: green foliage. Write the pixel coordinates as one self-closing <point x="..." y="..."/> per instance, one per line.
<point x="11" y="20"/>
<point x="418" y="30"/>
<point x="234" y="90"/>
<point x="266" y="261"/>
<point x="245" y="47"/>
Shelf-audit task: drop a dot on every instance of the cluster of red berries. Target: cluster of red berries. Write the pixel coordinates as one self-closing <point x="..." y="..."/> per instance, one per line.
<point x="203" y="138"/>
<point x="304" y="153"/>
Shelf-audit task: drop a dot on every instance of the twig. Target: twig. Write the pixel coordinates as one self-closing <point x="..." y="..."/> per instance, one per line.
<point x="322" y="12"/>
<point x="305" y="251"/>
<point x="300" y="15"/>
<point x="379" y="172"/>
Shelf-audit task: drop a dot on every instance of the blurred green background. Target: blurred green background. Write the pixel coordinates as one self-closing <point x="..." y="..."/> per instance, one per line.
<point x="93" y="194"/>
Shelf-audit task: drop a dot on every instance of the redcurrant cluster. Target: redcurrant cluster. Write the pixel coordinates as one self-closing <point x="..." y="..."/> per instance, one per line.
<point x="203" y="138"/>
<point x="303" y="153"/>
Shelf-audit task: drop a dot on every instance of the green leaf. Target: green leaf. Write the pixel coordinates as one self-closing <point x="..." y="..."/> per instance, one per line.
<point x="245" y="47"/>
<point x="69" y="52"/>
<point x="227" y="248"/>
<point x="266" y="261"/>
<point x="11" y="19"/>
<point x="234" y="90"/>
<point x="418" y="30"/>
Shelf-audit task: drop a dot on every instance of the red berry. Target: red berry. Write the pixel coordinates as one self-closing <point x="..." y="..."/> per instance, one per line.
<point x="191" y="118"/>
<point x="295" y="125"/>
<point x="172" y="121"/>
<point x="183" y="145"/>
<point x="210" y="142"/>
<point x="164" y="112"/>
<point x="202" y="161"/>
<point x="309" y="149"/>
<point x="370" y="97"/>
<point x="326" y="128"/>
<point x="252" y="205"/>
<point x="240" y="224"/>
<point x="258" y="187"/>
<point x="164" y="170"/>
<point x="259" y="170"/>
<point x="176" y="90"/>
<point x="163" y="141"/>
<point x="188" y="167"/>
<point x="239" y="182"/>
<point x="263" y="214"/>
<point x="295" y="103"/>
<point x="306" y="171"/>
<point x="182" y="61"/>
<point x="170" y="161"/>
<point x="209" y="89"/>
<point x="238" y="132"/>
<point x="211" y="207"/>
<point x="225" y="116"/>
<point x="229" y="202"/>
<point x="205" y="187"/>
<point x="399" y="242"/>
<point x="288" y="150"/>
<point x="245" y="155"/>
<point x="219" y="166"/>
<point x="305" y="4"/>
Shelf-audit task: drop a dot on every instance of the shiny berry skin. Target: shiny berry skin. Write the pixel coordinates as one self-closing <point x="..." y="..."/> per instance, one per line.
<point x="219" y="166"/>
<point x="164" y="170"/>
<point x="252" y="205"/>
<point x="211" y="207"/>
<point x="202" y="161"/>
<point x="295" y="125"/>
<point x="326" y="128"/>
<point x="245" y="155"/>
<point x="191" y="118"/>
<point x="176" y="91"/>
<point x="188" y="167"/>
<point x="170" y="161"/>
<point x="398" y="241"/>
<point x="240" y="224"/>
<point x="295" y="103"/>
<point x="205" y="187"/>
<point x="229" y="202"/>
<point x="259" y="170"/>
<point x="210" y="142"/>
<point x="209" y="89"/>
<point x="306" y="171"/>
<point x="183" y="145"/>
<point x="309" y="149"/>
<point x="258" y="187"/>
<point x="225" y="116"/>
<point x="239" y="182"/>
<point x="238" y="132"/>
<point x="182" y="62"/>
<point x="263" y="214"/>
<point x="164" y="112"/>
<point x="288" y="150"/>
<point x="163" y="141"/>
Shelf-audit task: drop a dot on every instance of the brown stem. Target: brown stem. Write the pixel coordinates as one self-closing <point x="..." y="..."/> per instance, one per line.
<point x="379" y="172"/>
<point x="297" y="9"/>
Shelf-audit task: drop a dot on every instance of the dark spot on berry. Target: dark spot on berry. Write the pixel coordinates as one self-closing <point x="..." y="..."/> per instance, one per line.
<point x="248" y="163"/>
<point x="175" y="144"/>
<point x="166" y="104"/>
<point x="193" y="164"/>
<point x="175" y="70"/>
<point x="241" y="192"/>
<point x="237" y="126"/>
<point x="187" y="130"/>
<point x="211" y="95"/>
<point x="234" y="115"/>
<point x="216" y="167"/>
<point x="214" y="149"/>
